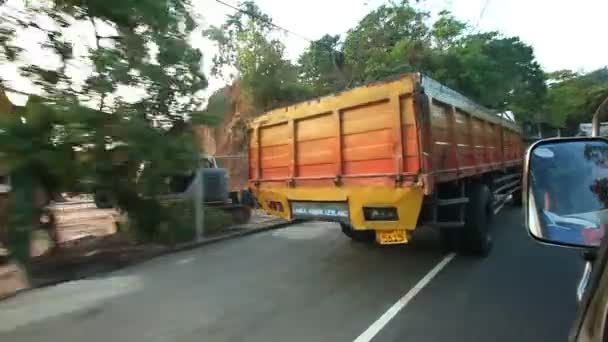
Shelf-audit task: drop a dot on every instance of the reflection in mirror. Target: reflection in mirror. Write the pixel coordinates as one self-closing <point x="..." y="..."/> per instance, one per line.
<point x="567" y="191"/>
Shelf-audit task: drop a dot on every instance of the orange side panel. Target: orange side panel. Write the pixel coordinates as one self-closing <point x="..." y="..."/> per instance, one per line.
<point x="275" y="156"/>
<point x="275" y="151"/>
<point x="369" y="117"/>
<point x="367" y="141"/>
<point x="316" y="146"/>
<point x="478" y="141"/>
<point x="316" y="170"/>
<point x="367" y="135"/>
<point x="507" y="145"/>
<point x="363" y="136"/>
<point x="253" y="154"/>
<point x="312" y="152"/>
<point x="463" y="138"/>
<point x="368" y="146"/>
<point x="411" y="160"/>
<point x="441" y="152"/>
<point x="492" y="136"/>
<point x="363" y="167"/>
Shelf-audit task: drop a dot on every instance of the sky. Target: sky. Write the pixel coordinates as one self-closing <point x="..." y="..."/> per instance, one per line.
<point x="564" y="34"/>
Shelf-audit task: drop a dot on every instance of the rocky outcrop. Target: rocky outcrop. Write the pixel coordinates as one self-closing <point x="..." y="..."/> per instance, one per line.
<point x="228" y="140"/>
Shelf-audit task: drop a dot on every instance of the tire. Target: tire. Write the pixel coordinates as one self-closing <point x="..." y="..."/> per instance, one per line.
<point x="103" y="199"/>
<point x="365" y="236"/>
<point x="476" y="238"/>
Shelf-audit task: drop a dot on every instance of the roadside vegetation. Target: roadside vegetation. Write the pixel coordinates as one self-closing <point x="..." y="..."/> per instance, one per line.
<point x="82" y="126"/>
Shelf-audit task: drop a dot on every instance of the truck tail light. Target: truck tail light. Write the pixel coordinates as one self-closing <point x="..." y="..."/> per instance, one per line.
<point x="275" y="206"/>
<point x="380" y="214"/>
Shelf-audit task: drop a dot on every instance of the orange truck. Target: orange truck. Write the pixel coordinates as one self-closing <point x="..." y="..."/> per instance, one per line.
<point x="386" y="159"/>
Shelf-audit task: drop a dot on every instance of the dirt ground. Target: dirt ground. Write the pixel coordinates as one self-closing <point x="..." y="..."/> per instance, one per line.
<point x="82" y="255"/>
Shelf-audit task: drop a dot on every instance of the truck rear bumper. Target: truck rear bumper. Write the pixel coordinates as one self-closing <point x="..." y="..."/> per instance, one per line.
<point x="406" y="201"/>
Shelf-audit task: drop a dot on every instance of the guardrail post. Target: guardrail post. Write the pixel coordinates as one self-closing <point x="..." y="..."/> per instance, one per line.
<point x="198" y="199"/>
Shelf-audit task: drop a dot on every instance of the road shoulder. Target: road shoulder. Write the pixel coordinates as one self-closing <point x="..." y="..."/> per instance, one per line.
<point x="14" y="282"/>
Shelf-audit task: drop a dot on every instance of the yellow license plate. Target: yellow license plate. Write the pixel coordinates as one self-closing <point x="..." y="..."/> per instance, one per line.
<point x="389" y="237"/>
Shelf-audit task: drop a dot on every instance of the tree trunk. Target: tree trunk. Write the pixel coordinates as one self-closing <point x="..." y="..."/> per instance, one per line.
<point x="22" y="213"/>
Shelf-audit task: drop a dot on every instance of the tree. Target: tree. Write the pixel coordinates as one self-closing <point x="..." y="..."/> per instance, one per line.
<point x="446" y="31"/>
<point x="498" y="72"/>
<point x="573" y="98"/>
<point x="89" y="130"/>
<point x="321" y="66"/>
<point x="390" y="40"/>
<point x="250" y="56"/>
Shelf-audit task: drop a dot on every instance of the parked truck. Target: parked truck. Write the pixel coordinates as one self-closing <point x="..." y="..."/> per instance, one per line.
<point x="216" y="191"/>
<point x="386" y="159"/>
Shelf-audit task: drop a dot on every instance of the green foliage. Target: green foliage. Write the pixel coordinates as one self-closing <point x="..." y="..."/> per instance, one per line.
<point x="37" y="140"/>
<point x="217" y="105"/>
<point x="447" y="30"/>
<point x="20" y="221"/>
<point x="177" y="224"/>
<point x="216" y="221"/>
<point x="160" y="15"/>
<point x="573" y="98"/>
<point x="496" y="71"/>
<point x="320" y="66"/>
<point x="265" y="77"/>
<point x="74" y="133"/>
<point x="389" y="40"/>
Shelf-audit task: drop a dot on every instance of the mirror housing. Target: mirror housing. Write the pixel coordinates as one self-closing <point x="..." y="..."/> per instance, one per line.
<point x="565" y="191"/>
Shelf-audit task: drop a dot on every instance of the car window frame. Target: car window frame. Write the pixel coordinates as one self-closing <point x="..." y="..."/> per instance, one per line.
<point x="598" y="272"/>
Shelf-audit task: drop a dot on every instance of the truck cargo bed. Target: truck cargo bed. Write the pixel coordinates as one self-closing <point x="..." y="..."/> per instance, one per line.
<point x="387" y="145"/>
<point x="400" y="131"/>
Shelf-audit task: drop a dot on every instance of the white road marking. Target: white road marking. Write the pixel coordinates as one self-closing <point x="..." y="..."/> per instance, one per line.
<point x="381" y="322"/>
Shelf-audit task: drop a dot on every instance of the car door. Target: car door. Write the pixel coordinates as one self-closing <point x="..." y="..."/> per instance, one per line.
<point x="592" y="319"/>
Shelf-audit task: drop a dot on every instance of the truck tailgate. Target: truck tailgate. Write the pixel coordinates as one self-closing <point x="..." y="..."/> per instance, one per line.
<point x="366" y="136"/>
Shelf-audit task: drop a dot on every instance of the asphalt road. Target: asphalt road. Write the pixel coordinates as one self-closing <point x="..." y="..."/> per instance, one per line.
<point x="308" y="282"/>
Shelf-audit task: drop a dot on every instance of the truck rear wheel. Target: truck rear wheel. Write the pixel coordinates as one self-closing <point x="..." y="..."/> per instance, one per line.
<point x="476" y="238"/>
<point x="367" y="236"/>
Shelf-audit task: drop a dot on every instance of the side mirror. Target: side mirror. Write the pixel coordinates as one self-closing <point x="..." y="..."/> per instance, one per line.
<point x="565" y="189"/>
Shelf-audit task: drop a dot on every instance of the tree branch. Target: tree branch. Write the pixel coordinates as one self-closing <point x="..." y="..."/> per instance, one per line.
<point x="97" y="38"/>
<point x="102" y="100"/>
<point x="12" y="90"/>
<point x="110" y="37"/>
